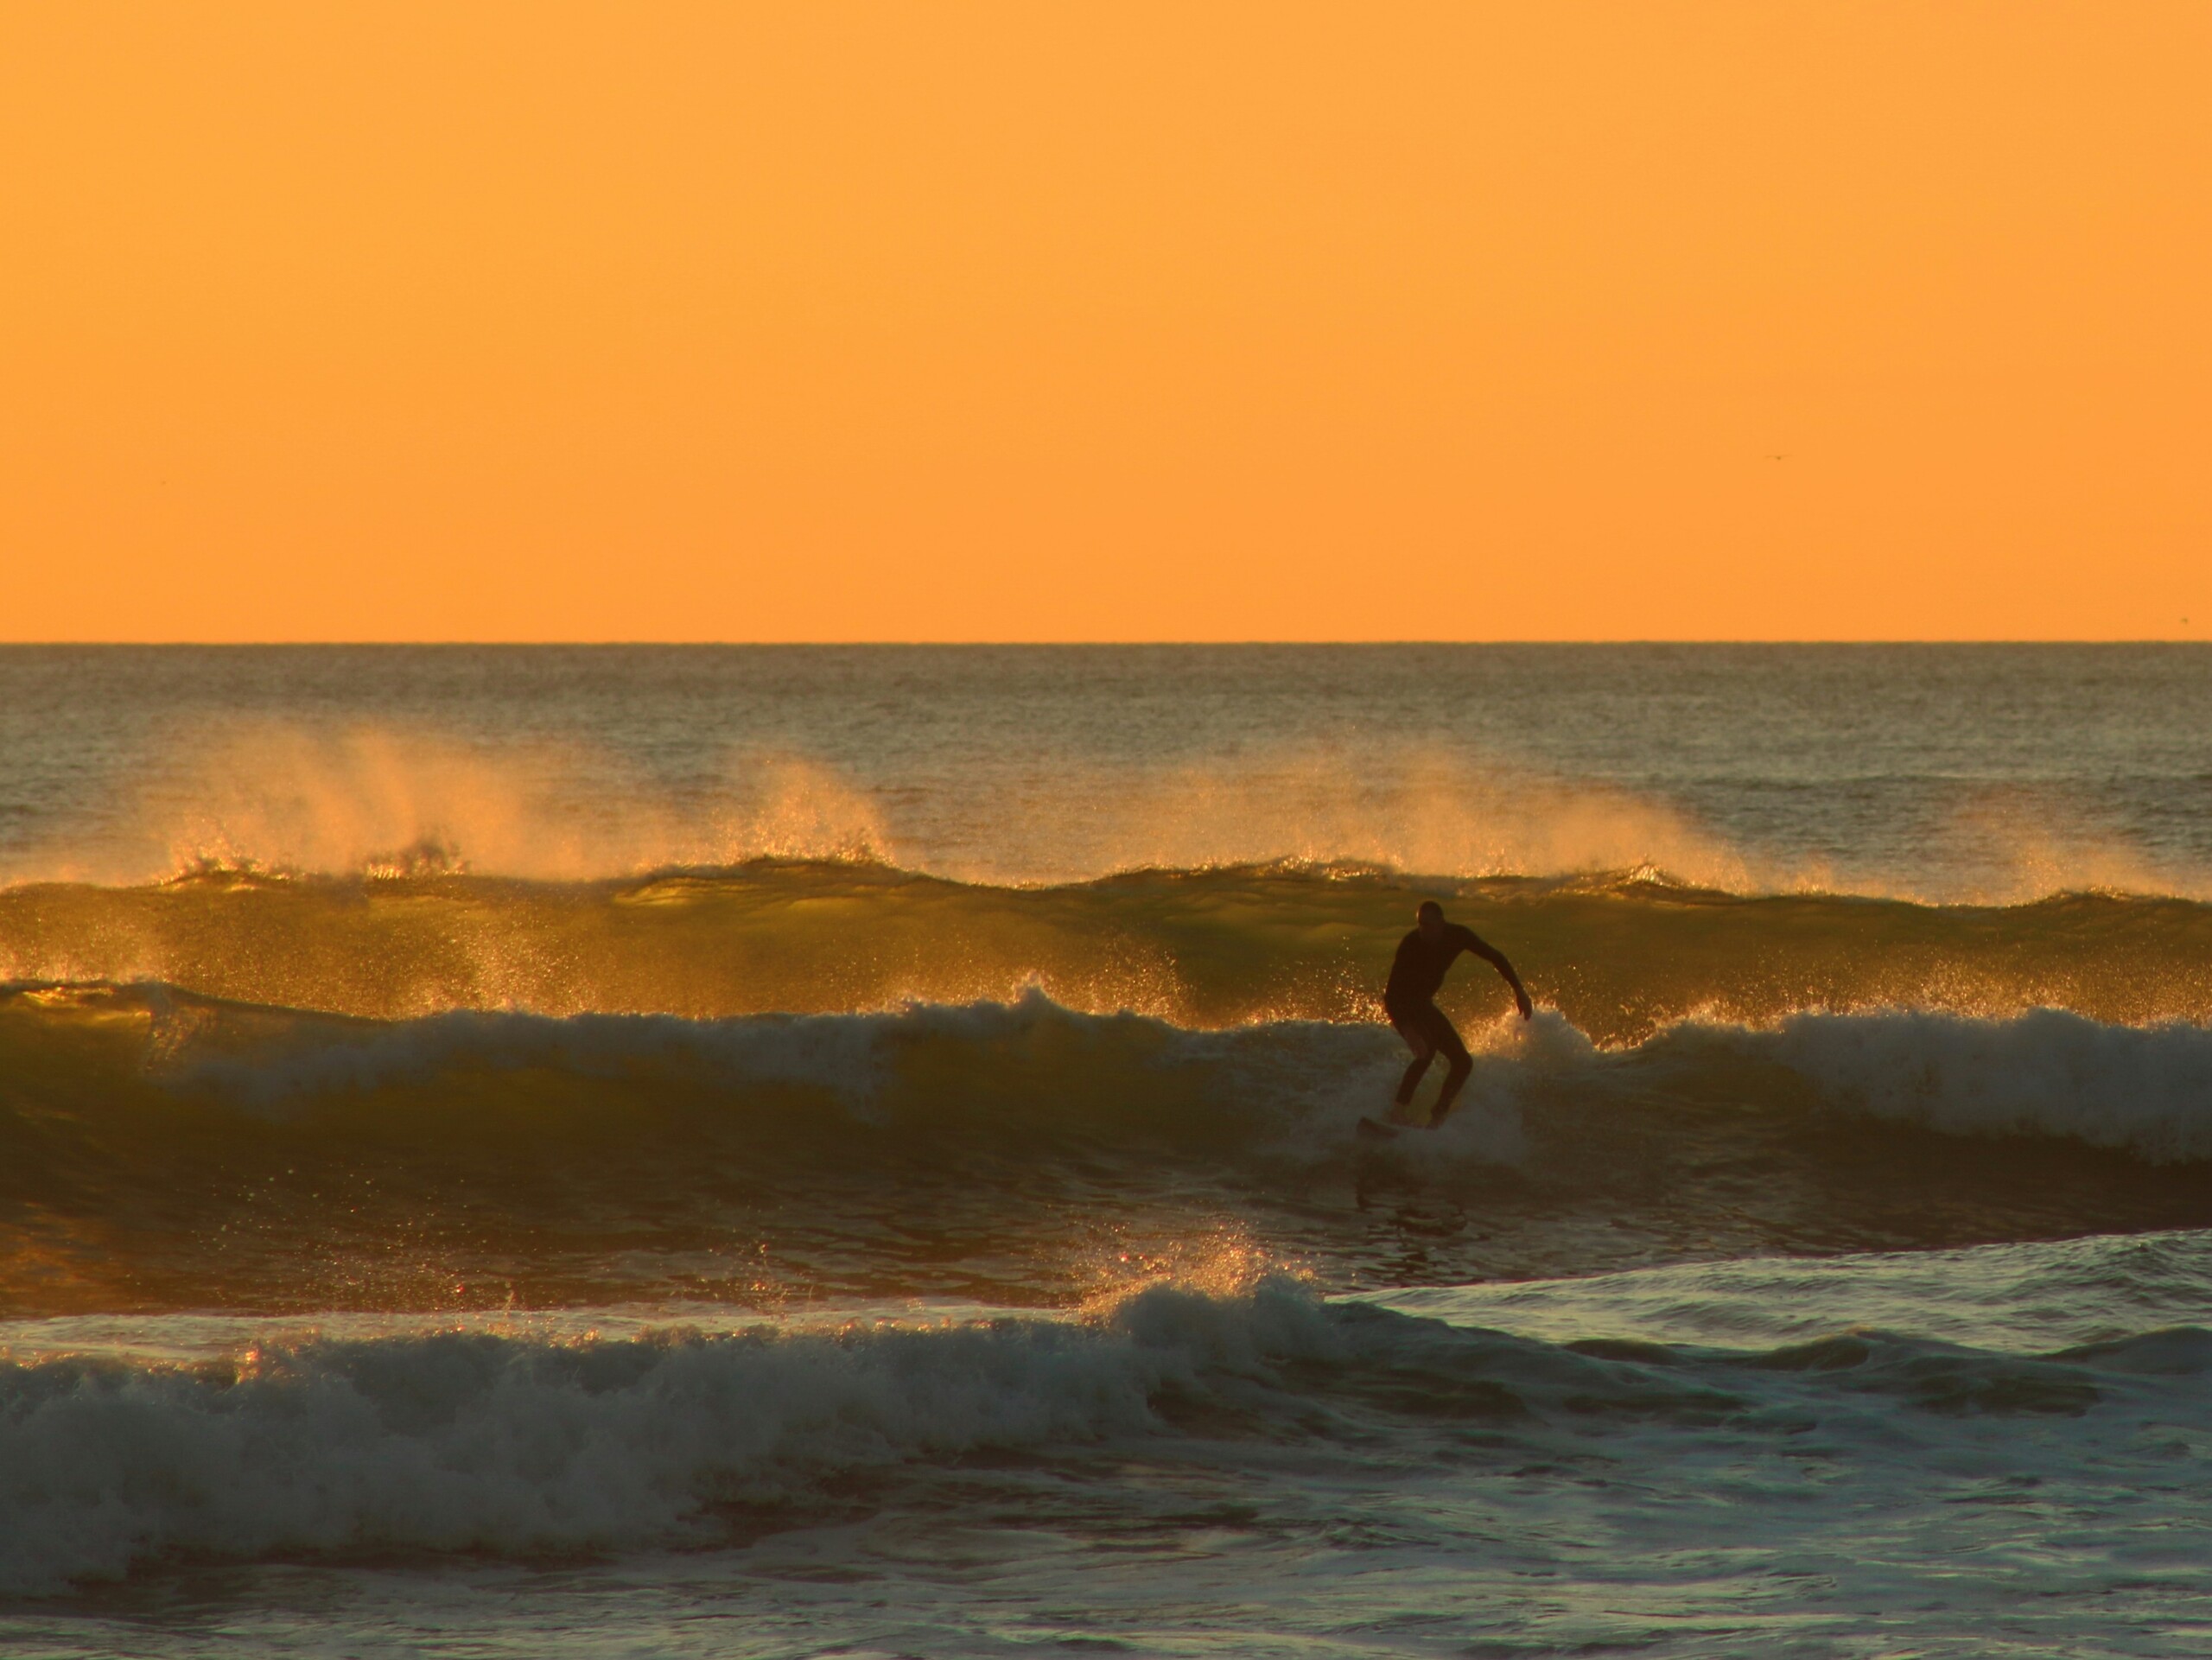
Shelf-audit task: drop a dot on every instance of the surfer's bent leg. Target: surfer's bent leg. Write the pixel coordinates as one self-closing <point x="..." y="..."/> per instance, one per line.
<point x="1460" y="1065"/>
<point x="1408" y="1025"/>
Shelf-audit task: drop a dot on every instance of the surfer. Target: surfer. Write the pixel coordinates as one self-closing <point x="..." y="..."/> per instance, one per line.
<point x="1416" y="975"/>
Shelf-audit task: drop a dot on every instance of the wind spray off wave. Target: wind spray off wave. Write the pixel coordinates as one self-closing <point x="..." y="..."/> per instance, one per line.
<point x="276" y="797"/>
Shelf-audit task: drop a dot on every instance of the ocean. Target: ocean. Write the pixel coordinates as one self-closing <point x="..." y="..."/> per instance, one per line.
<point x="591" y="1151"/>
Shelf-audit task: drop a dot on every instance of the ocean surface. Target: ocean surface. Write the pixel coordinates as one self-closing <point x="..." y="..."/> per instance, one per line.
<point x="795" y="1151"/>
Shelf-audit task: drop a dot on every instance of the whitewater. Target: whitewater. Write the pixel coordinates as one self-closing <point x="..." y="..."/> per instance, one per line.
<point x="792" y="1151"/>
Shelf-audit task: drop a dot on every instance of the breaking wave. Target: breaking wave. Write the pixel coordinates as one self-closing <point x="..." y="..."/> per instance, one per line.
<point x="160" y="1149"/>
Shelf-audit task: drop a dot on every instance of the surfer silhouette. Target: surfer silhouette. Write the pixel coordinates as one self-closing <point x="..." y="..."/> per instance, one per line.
<point x="1416" y="975"/>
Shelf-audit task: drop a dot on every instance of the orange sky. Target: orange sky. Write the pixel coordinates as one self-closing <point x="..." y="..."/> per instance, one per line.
<point x="1116" y="322"/>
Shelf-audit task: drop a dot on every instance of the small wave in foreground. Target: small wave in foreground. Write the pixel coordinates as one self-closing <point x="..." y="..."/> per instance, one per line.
<point x="480" y="1441"/>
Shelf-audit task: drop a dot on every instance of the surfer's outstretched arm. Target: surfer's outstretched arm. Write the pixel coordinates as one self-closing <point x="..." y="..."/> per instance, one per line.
<point x="1496" y="958"/>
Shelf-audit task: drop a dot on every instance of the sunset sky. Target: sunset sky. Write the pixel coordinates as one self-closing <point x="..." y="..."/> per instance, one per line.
<point x="1112" y="322"/>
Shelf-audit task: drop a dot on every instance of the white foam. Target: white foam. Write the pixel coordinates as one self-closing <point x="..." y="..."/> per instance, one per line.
<point x="476" y="1442"/>
<point x="2046" y="1072"/>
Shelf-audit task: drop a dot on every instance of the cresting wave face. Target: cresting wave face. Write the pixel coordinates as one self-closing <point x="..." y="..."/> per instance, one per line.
<point x="1620" y="957"/>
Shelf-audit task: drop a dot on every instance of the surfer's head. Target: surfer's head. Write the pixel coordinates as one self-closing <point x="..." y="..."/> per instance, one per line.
<point x="1429" y="918"/>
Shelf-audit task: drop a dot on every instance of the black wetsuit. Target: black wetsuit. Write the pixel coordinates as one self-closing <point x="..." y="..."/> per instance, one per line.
<point x="1416" y="975"/>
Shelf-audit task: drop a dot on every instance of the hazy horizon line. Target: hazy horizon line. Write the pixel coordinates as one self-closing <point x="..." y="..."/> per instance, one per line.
<point x="1065" y="645"/>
